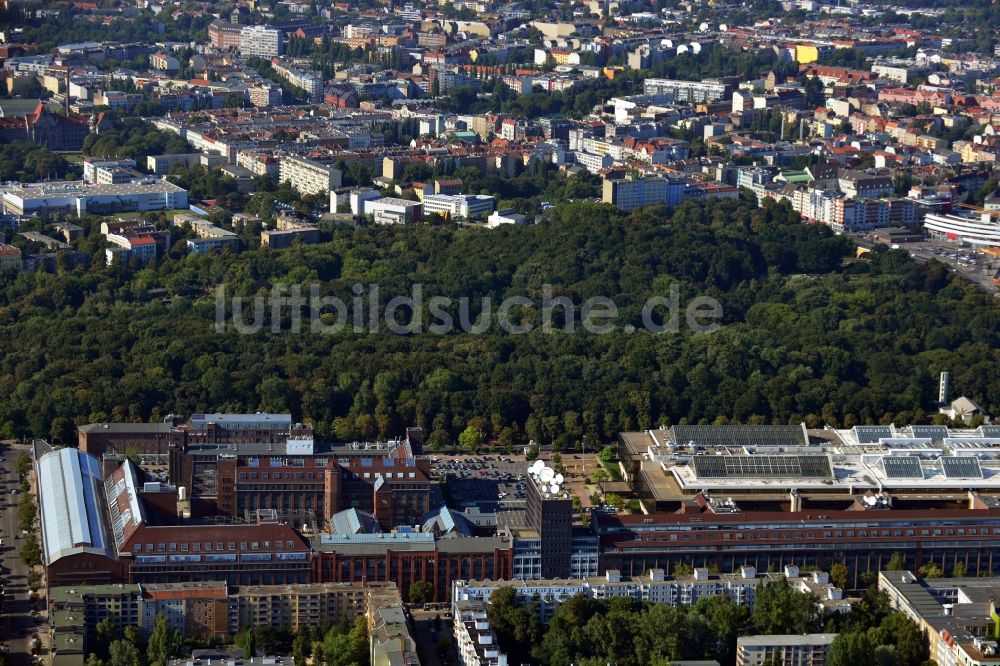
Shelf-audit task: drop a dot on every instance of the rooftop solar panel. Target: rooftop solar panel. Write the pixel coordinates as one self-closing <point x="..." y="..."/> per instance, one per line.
<point x="762" y="467"/>
<point x="740" y="435"/>
<point x="870" y="434"/>
<point x="901" y="467"/>
<point x="935" y="433"/>
<point x="961" y="467"/>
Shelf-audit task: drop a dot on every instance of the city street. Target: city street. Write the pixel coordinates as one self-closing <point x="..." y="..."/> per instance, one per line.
<point x="980" y="272"/>
<point x="17" y="624"/>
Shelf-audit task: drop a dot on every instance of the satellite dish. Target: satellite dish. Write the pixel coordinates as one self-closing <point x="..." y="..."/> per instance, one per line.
<point x="682" y="49"/>
<point x="536" y="467"/>
<point x="703" y="27"/>
<point x="547" y="474"/>
<point x="695" y="47"/>
<point x="723" y="27"/>
<point x="554" y="488"/>
<point x="558" y="478"/>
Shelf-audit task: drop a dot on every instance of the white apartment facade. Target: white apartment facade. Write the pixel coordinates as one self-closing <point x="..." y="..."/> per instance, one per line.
<point x="308" y="176"/>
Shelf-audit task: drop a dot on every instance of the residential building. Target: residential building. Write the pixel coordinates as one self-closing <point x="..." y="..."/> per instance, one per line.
<point x="957" y="615"/>
<point x="631" y="193"/>
<point x="475" y="641"/>
<point x="307" y="234"/>
<point x="789" y="650"/>
<point x="294" y="606"/>
<point x="265" y="95"/>
<point x="261" y="41"/>
<point x="126" y="248"/>
<point x="309" y="176"/>
<point x="307" y="81"/>
<point x="208" y="237"/>
<point x="10" y="258"/>
<point x="687" y="91"/>
<point x="655" y="587"/>
<point x="861" y="185"/>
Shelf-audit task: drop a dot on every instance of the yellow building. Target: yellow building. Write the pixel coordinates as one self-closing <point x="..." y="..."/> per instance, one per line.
<point x="805" y="54"/>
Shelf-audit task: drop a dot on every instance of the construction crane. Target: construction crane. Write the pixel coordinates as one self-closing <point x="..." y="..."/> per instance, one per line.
<point x="992" y="213"/>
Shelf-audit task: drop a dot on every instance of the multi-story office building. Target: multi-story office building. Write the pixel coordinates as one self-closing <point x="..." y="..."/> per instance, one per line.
<point x="550" y="515"/>
<point x="390" y="210"/>
<point x="463" y="206"/>
<point x="261" y="41"/>
<point x="95" y="530"/>
<point x="309" y="176"/>
<point x="75" y="198"/>
<point x="790" y="650"/>
<point x="406" y="557"/>
<point x="224" y="35"/>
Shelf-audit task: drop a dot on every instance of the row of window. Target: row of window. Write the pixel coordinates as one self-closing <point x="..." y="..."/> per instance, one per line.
<point x="298" y="476"/>
<point x="825" y="534"/>
<point x="208" y="547"/>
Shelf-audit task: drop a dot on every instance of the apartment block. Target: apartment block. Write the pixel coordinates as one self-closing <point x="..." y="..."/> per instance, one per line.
<point x="788" y="650"/>
<point x="10" y="258"/>
<point x="309" y="176"/>
<point x="629" y="194"/>
<point x="475" y="641"/>
<point x="261" y="41"/>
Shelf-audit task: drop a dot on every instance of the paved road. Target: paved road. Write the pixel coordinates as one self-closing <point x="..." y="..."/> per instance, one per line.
<point x="427" y="633"/>
<point x="16" y="624"/>
<point x="981" y="274"/>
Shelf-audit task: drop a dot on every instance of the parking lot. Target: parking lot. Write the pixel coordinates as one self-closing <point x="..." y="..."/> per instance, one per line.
<point x="976" y="267"/>
<point x="487" y="482"/>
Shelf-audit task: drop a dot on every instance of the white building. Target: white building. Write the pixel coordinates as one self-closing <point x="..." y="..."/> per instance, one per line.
<point x="629" y="194"/>
<point x="463" y="206"/>
<point x="391" y="210"/>
<point x="686" y="91"/>
<point x="309" y="176"/>
<point x="979" y="231"/>
<point x="75" y="198"/>
<point x="656" y="587"/>
<point x="125" y="248"/>
<point x="475" y="641"/>
<point x="506" y="216"/>
<point x="261" y="41"/>
<point x="788" y="650"/>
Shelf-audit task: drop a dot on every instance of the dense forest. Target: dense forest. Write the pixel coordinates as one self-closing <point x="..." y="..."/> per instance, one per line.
<point x="595" y="632"/>
<point x="809" y="334"/>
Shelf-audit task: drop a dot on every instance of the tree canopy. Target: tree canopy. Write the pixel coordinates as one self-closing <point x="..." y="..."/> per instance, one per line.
<point x="807" y="334"/>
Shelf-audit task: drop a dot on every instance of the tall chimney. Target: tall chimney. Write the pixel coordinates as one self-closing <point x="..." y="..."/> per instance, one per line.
<point x="944" y="387"/>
